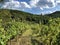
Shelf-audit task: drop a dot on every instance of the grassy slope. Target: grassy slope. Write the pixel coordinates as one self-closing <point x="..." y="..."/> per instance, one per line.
<point x="45" y="28"/>
<point x="7" y="15"/>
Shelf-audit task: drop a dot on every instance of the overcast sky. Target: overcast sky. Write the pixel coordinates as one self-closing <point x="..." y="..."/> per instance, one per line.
<point x="32" y="6"/>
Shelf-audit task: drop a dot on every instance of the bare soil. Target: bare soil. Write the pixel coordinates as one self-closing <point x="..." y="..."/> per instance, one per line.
<point x="20" y="40"/>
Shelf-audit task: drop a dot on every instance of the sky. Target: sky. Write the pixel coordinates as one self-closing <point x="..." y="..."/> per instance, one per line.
<point x="32" y="6"/>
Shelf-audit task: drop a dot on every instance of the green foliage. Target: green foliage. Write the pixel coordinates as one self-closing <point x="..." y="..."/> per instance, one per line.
<point x="1" y="0"/>
<point x="43" y="30"/>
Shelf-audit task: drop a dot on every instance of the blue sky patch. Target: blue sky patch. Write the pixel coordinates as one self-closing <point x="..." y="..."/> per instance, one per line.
<point x="32" y="6"/>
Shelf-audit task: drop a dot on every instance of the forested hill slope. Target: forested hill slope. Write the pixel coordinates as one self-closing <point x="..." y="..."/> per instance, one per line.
<point x="7" y="15"/>
<point x="55" y="14"/>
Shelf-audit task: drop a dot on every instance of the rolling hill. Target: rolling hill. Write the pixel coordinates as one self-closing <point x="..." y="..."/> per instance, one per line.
<point x="38" y="29"/>
<point x="8" y="15"/>
<point x="55" y="14"/>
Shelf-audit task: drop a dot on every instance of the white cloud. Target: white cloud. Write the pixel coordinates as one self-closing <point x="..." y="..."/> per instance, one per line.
<point x="12" y="4"/>
<point x="34" y="2"/>
<point x="58" y="2"/>
<point x="11" y="0"/>
<point x="24" y="4"/>
<point x="44" y="3"/>
<point x="41" y="8"/>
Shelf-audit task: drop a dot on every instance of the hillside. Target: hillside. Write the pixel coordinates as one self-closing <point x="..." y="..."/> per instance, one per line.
<point x="7" y="15"/>
<point x="55" y="14"/>
<point x="22" y="27"/>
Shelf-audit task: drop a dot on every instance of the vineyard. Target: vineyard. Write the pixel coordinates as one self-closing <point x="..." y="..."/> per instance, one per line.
<point x="41" y="29"/>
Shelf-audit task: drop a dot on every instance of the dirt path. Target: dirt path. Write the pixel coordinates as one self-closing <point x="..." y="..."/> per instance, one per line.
<point x="20" y="40"/>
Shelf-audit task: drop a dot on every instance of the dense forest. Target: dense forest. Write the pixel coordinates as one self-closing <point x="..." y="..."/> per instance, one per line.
<point x="42" y="29"/>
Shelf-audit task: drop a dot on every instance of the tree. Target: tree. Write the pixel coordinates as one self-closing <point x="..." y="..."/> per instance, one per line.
<point x="1" y="0"/>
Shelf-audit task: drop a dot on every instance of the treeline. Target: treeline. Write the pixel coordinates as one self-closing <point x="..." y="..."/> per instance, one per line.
<point x="24" y="16"/>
